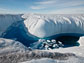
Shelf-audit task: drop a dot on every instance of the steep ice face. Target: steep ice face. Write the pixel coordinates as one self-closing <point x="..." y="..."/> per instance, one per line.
<point x="48" y="25"/>
<point x="28" y="28"/>
<point x="6" y="20"/>
<point x="12" y="27"/>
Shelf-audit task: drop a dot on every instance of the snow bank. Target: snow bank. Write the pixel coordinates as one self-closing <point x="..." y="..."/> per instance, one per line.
<point x="6" y="20"/>
<point x="77" y="50"/>
<point x="48" y="25"/>
<point x="81" y="41"/>
<point x="8" y="46"/>
<point x="47" y="60"/>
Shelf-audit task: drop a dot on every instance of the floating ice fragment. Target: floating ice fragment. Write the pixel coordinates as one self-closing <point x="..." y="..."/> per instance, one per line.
<point x="60" y="44"/>
<point x="48" y="41"/>
<point x="54" y="41"/>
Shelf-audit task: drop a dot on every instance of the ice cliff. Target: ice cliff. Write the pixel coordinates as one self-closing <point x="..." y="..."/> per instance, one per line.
<point x="24" y="27"/>
<point x="7" y="20"/>
<point x="12" y="27"/>
<point x="45" y="25"/>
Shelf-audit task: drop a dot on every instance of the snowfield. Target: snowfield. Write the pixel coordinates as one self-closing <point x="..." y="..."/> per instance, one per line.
<point x="79" y="51"/>
<point x="47" y="60"/>
<point x="9" y="46"/>
<point x="20" y="54"/>
<point x="17" y="32"/>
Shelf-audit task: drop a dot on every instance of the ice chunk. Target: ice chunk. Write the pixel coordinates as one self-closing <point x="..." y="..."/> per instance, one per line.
<point x="60" y="44"/>
<point x="48" y="41"/>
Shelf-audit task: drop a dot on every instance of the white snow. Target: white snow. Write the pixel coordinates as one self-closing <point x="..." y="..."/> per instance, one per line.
<point x="79" y="51"/>
<point x="47" y="60"/>
<point x="42" y="25"/>
<point x="81" y="41"/>
<point x="8" y="45"/>
<point x="45" y="25"/>
<point x="44" y="60"/>
<point x="6" y="20"/>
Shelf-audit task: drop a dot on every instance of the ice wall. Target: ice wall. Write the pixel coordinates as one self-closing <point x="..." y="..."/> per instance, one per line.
<point x="42" y="25"/>
<point x="6" y="20"/>
<point x="13" y="27"/>
<point x="28" y="26"/>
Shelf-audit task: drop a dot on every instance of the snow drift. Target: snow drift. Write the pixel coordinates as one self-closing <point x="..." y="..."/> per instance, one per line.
<point x="41" y="25"/>
<point x="9" y="46"/>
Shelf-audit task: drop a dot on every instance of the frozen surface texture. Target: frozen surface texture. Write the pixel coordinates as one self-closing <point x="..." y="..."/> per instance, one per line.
<point x="45" y="25"/>
<point x="9" y="46"/>
<point x="6" y="20"/>
<point x="42" y="25"/>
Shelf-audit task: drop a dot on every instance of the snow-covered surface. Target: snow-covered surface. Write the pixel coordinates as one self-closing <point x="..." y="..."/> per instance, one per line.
<point x="48" y="25"/>
<point x="47" y="60"/>
<point x="8" y="46"/>
<point x="81" y="41"/>
<point x="7" y="19"/>
<point x="79" y="51"/>
<point x="44" y="26"/>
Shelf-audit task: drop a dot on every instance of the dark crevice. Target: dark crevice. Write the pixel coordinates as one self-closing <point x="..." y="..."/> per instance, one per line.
<point x="69" y="40"/>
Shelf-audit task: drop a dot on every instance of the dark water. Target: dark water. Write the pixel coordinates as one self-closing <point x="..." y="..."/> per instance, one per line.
<point x="18" y="33"/>
<point x="69" y="40"/>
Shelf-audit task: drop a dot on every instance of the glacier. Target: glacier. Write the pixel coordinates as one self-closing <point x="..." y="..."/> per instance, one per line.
<point x="29" y="28"/>
<point x="46" y="25"/>
<point x="20" y="30"/>
<point x="7" y="20"/>
<point x="12" y="27"/>
<point x="11" y="46"/>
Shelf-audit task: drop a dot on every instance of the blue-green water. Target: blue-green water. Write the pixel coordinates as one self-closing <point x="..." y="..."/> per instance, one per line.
<point x="18" y="33"/>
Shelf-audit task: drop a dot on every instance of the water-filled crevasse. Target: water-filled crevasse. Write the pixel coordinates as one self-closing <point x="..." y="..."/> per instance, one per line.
<point x="68" y="39"/>
<point x="18" y="32"/>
